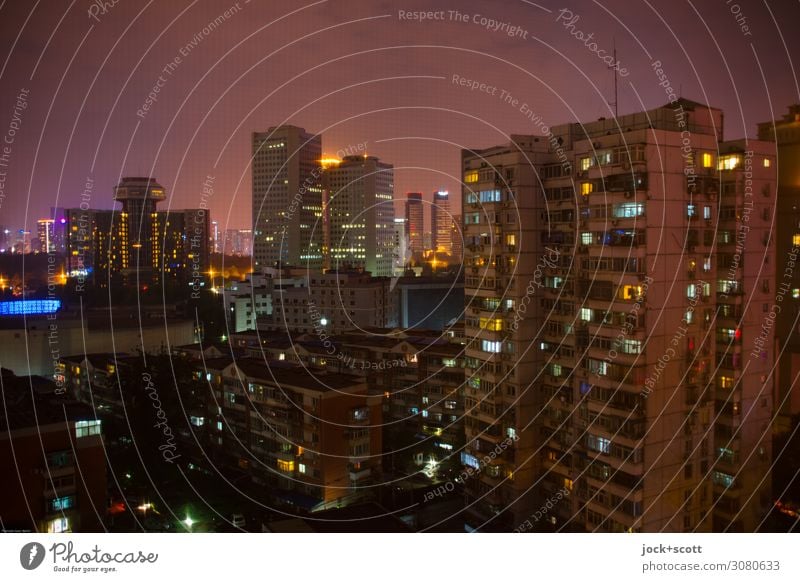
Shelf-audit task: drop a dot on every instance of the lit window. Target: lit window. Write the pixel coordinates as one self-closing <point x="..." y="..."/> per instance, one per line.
<point x="511" y="239"/>
<point x="568" y="484"/>
<point x="586" y="188"/>
<point x="59" y="525"/>
<point x="62" y="503"/>
<point x="586" y="163"/>
<point x="726" y="382"/>
<point x="285" y="466"/>
<point x="691" y="291"/>
<point x="598" y="444"/>
<point x="301" y="468"/>
<point x="219" y="425"/>
<point x="631" y="291"/>
<point x="586" y="314"/>
<point x="471" y="177"/>
<point x="586" y="238"/>
<point x="707" y="160"/>
<point x="493" y="347"/>
<point x="84" y="428"/>
<point x="511" y="432"/>
<point x="796" y="240"/>
<point x="729" y="162"/>
<point x="795" y="293"/>
<point x="707" y="212"/>
<point x="707" y="264"/>
<point x="691" y="210"/>
<point x="767" y="162"/>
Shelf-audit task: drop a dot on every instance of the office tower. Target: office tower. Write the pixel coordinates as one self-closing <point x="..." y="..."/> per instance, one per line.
<point x="787" y="240"/>
<point x="616" y="330"/>
<point x="359" y="213"/>
<point x="45" y="231"/>
<point x="287" y="198"/>
<point x="441" y="222"/>
<point x="401" y="249"/>
<point x="415" y="222"/>
<point x="59" y="230"/>
<point x="456" y="240"/>
<point x="139" y="197"/>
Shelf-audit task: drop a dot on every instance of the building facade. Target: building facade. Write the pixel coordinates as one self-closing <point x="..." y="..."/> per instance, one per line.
<point x="287" y="198"/>
<point x="415" y="223"/>
<point x="359" y="215"/>
<point x="441" y="222"/>
<point x="614" y="315"/>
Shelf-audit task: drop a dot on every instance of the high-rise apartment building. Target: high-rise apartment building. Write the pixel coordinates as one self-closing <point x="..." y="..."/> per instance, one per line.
<point x="615" y="297"/>
<point x="441" y="222"/>
<point x="415" y="222"/>
<point x="401" y="250"/>
<point x="786" y="216"/>
<point x="359" y="209"/>
<point x="287" y="198"/>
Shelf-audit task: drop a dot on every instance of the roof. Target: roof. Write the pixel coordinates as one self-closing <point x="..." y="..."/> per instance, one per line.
<point x="31" y="401"/>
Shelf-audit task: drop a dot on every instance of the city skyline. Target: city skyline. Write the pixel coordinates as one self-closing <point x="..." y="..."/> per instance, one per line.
<point x="86" y="105"/>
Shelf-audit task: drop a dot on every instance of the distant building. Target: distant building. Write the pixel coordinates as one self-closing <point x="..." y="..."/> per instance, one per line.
<point x="238" y="242"/>
<point x="441" y="222"/>
<point x="138" y="243"/>
<point x="402" y="253"/>
<point x="46" y="232"/>
<point x="330" y="302"/>
<point x="287" y="198"/>
<point x="359" y="215"/>
<point x="415" y="222"/>
<point x="456" y="241"/>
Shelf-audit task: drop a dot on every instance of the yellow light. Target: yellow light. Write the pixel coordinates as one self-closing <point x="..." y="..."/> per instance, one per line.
<point x="328" y="162"/>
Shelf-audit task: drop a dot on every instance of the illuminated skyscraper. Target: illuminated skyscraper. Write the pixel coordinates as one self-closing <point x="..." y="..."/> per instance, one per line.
<point x="45" y="231"/>
<point x="441" y="222"/>
<point x="415" y="222"/>
<point x="287" y="198"/>
<point x="360" y="215"/>
<point x="139" y="197"/>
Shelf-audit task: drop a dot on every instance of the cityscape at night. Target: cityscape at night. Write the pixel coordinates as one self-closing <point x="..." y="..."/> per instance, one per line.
<point x="400" y="267"/>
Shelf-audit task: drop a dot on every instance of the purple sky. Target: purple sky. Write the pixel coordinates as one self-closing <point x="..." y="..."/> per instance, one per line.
<point x="354" y="71"/>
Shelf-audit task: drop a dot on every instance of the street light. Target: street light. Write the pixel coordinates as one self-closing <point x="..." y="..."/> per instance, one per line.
<point x="188" y="522"/>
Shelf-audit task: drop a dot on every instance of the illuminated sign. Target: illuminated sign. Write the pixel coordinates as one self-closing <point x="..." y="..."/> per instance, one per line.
<point x="29" y="307"/>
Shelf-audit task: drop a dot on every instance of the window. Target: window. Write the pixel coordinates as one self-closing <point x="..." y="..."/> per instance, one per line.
<point x="586" y="238"/>
<point x="767" y="162"/>
<point x="84" y="428"/>
<point x="489" y="196"/>
<point x="598" y="444"/>
<point x="691" y="291"/>
<point x="586" y="314"/>
<point x="471" y="177"/>
<point x="721" y="478"/>
<point x="730" y="162"/>
<point x="493" y="347"/>
<point x="495" y="324"/>
<point x="586" y="188"/>
<point x="470" y="460"/>
<point x="448" y="362"/>
<point x="59" y="525"/>
<point x="301" y="468"/>
<point x="511" y="239"/>
<point x="691" y="210"/>
<point x="586" y="163"/>
<point x="61" y="503"/>
<point x="511" y="433"/>
<point x="796" y="240"/>
<point x="628" y="210"/>
<point x="285" y="466"/>
<point x="707" y="212"/>
<point x="707" y="264"/>
<point x="707" y="160"/>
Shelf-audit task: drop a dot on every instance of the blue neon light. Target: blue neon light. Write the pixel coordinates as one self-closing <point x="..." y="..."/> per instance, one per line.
<point x="29" y="307"/>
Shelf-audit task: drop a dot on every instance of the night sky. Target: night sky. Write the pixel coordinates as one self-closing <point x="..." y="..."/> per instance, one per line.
<point x="354" y="71"/>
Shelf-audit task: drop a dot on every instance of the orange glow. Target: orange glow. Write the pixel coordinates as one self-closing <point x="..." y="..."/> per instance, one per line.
<point x="330" y="162"/>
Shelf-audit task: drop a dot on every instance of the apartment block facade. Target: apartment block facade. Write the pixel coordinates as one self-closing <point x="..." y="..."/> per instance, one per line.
<point x="615" y="298"/>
